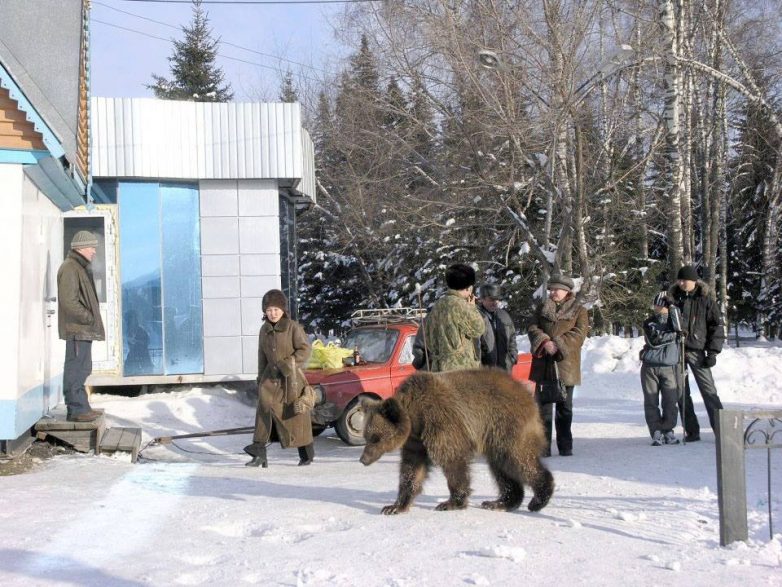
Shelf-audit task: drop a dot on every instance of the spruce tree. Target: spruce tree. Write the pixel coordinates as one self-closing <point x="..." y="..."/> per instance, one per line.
<point x="195" y="76"/>
<point x="288" y="91"/>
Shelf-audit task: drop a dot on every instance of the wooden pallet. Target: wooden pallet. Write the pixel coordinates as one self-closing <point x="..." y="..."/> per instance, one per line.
<point x="82" y="436"/>
<point x="121" y="440"/>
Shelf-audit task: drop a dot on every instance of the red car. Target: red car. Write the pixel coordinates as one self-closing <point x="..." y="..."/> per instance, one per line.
<point x="385" y="344"/>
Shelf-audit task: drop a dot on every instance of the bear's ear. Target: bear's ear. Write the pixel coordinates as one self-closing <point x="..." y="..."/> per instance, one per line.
<point x="391" y="410"/>
<point x="367" y="403"/>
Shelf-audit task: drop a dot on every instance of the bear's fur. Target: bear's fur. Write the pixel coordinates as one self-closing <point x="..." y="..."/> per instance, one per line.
<point x="446" y="418"/>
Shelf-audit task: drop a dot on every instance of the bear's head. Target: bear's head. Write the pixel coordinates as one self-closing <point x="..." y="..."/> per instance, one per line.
<point x="386" y="428"/>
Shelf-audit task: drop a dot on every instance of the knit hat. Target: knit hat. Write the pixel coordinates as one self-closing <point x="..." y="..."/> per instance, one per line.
<point x="84" y="239"/>
<point x="492" y="291"/>
<point x="661" y="300"/>
<point x="459" y="276"/>
<point x="687" y="272"/>
<point x="274" y="297"/>
<point x="559" y="281"/>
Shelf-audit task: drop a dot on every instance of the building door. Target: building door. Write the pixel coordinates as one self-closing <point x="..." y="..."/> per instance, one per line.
<point x="101" y="221"/>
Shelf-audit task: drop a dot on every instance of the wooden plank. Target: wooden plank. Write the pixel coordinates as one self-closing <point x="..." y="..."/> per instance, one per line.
<point x="58" y="424"/>
<point x="80" y="440"/>
<point x="121" y="440"/>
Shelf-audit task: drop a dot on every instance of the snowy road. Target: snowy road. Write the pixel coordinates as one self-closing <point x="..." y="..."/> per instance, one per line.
<point x="623" y="513"/>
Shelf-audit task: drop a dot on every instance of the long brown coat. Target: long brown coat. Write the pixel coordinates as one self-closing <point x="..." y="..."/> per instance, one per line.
<point x="567" y="325"/>
<point x="283" y="350"/>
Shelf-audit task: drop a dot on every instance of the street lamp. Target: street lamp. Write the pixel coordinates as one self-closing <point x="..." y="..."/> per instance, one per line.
<point x="614" y="62"/>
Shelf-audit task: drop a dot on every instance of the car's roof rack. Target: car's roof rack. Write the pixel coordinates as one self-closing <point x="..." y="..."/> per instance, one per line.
<point x="387" y="316"/>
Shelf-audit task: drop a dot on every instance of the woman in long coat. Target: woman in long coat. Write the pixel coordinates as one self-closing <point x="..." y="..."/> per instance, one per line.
<point x="557" y="334"/>
<point x="283" y="351"/>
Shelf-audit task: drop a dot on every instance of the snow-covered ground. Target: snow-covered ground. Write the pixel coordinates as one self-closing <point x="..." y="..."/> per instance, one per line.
<point x="624" y="512"/>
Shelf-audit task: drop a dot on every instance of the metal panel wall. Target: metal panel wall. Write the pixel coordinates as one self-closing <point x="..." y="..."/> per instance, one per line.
<point x="144" y="137"/>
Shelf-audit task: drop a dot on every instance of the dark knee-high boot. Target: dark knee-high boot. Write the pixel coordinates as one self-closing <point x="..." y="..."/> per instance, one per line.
<point x="257" y="450"/>
<point x="306" y="454"/>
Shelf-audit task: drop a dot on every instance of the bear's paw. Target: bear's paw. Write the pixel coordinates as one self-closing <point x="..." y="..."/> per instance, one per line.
<point x="392" y="510"/>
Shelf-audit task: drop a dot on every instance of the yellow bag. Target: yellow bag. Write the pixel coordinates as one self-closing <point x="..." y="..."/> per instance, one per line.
<point x="327" y="356"/>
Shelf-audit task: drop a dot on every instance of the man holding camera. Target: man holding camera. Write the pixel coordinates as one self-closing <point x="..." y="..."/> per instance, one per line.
<point x="454" y="323"/>
<point x="702" y="323"/>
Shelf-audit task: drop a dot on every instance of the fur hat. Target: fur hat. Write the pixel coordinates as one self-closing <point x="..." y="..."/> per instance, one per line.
<point x="459" y="276"/>
<point x="491" y="290"/>
<point x="560" y="281"/>
<point x="84" y="239"/>
<point x="274" y="297"/>
<point x="688" y="272"/>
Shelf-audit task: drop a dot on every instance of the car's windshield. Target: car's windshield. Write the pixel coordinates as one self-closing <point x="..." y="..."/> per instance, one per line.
<point x="373" y="344"/>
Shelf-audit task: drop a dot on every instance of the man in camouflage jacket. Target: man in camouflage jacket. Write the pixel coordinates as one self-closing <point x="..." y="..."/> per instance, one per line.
<point x="454" y="323"/>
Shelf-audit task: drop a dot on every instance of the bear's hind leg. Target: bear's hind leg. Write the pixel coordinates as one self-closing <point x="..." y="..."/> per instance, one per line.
<point x="511" y="490"/>
<point x="542" y="482"/>
<point x="412" y="473"/>
<point x="457" y="474"/>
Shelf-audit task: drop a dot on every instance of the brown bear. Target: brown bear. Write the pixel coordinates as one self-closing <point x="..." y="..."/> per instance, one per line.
<point x="444" y="419"/>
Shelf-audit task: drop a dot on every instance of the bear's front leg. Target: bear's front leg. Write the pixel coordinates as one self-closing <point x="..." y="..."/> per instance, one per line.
<point x="412" y="472"/>
<point x="457" y="473"/>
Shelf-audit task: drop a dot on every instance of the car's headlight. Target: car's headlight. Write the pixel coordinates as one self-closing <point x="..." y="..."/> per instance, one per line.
<point x="320" y="394"/>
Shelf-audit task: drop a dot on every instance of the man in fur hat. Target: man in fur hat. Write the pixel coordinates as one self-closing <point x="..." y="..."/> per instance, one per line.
<point x="702" y="321"/>
<point x="454" y="324"/>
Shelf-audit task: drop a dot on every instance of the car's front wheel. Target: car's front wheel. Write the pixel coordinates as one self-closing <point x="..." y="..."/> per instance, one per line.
<point x="350" y="424"/>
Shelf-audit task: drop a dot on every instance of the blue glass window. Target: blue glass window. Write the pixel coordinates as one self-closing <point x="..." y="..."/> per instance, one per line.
<point x="160" y="270"/>
<point x="142" y="313"/>
<point x="182" y="316"/>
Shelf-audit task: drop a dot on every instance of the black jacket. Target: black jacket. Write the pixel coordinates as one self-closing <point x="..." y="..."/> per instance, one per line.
<point x="498" y="348"/>
<point x="701" y="318"/>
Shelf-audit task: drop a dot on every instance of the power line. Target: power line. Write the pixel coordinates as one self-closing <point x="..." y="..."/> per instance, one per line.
<point x="151" y="36"/>
<point x="256" y="1"/>
<point x="222" y="42"/>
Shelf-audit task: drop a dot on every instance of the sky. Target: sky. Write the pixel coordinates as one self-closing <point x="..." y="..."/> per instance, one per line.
<point x="623" y="513"/>
<point x="123" y="61"/>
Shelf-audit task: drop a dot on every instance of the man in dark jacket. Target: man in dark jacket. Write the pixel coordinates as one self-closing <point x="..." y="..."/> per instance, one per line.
<point x="79" y="323"/>
<point x="702" y="321"/>
<point x="498" y="343"/>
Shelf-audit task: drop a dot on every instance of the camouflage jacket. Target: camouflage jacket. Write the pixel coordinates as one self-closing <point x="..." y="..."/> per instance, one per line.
<point x="452" y="327"/>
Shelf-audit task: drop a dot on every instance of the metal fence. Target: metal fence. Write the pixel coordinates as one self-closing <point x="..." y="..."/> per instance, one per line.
<point x="740" y="431"/>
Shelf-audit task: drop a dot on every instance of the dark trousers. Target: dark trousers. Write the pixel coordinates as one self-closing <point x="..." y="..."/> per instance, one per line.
<point x="78" y="366"/>
<point x="705" y="381"/>
<point x="562" y="417"/>
<point x="660" y="383"/>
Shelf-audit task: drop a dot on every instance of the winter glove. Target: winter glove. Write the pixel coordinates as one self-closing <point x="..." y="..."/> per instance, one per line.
<point x="709" y="360"/>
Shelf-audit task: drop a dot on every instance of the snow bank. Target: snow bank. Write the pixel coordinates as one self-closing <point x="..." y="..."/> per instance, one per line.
<point x="747" y="375"/>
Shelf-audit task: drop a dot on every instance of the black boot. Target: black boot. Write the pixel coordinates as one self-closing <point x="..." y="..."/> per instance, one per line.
<point x="306" y="454"/>
<point x="257" y="462"/>
<point x="257" y="450"/>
